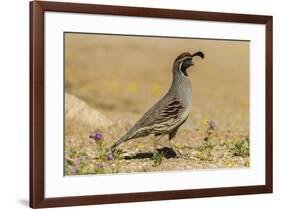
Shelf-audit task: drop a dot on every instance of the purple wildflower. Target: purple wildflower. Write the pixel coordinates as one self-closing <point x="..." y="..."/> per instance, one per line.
<point x="78" y="160"/>
<point x="212" y="124"/>
<point x="110" y="156"/>
<point x="99" y="165"/>
<point x="96" y="136"/>
<point x="73" y="170"/>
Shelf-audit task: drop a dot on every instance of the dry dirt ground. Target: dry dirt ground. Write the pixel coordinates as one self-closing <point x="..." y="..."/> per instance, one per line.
<point x="113" y="80"/>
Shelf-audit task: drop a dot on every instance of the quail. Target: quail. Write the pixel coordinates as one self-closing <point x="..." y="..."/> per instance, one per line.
<point x="171" y="111"/>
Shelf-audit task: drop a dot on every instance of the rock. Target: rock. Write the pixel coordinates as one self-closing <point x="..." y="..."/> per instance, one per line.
<point x="79" y="114"/>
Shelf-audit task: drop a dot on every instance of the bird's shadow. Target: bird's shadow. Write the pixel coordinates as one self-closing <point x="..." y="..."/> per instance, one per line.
<point x="166" y="151"/>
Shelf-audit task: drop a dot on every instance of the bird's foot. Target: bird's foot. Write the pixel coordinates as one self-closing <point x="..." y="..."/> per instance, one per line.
<point x="182" y="156"/>
<point x="178" y="153"/>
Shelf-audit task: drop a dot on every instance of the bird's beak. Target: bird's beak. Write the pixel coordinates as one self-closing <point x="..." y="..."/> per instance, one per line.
<point x="199" y="54"/>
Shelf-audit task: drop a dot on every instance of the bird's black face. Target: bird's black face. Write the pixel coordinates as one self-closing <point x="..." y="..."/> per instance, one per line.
<point x="185" y="64"/>
<point x="185" y="61"/>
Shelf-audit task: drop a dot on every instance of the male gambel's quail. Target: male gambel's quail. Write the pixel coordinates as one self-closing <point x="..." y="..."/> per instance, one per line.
<point x="168" y="114"/>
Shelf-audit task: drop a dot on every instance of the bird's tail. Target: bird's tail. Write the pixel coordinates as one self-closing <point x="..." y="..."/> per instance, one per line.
<point x="120" y="141"/>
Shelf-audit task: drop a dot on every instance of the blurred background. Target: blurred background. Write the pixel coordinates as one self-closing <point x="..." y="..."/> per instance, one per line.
<point x="123" y="76"/>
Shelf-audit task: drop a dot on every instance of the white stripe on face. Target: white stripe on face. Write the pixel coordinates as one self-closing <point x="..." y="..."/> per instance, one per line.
<point x="180" y="68"/>
<point x="182" y="59"/>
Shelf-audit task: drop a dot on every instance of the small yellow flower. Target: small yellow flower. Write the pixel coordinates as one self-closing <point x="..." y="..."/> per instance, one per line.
<point x="140" y="146"/>
<point x="179" y="145"/>
<point x="203" y="125"/>
<point x="155" y="90"/>
<point x="200" y="155"/>
<point x="247" y="163"/>
<point x="133" y="87"/>
<point x="113" y="86"/>
<point x="228" y="164"/>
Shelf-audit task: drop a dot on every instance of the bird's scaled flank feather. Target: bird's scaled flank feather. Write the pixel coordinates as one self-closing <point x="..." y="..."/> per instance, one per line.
<point x="159" y="114"/>
<point x="172" y="110"/>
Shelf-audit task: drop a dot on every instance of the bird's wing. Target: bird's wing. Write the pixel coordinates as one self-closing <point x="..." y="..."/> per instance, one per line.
<point x="159" y="113"/>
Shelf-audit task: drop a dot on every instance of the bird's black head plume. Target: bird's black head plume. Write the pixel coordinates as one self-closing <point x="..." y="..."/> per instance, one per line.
<point x="200" y="54"/>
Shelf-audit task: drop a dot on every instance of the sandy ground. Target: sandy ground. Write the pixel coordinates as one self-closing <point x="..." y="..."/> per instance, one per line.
<point x="121" y="77"/>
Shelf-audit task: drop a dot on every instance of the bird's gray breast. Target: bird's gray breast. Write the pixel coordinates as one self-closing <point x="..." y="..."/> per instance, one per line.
<point x="183" y="92"/>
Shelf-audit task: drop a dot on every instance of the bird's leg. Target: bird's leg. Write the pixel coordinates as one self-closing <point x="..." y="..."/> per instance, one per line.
<point x="179" y="154"/>
<point x="155" y="140"/>
<point x="154" y="145"/>
<point x="175" y="149"/>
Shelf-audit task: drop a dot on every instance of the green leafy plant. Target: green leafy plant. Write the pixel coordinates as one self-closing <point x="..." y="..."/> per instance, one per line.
<point x="157" y="158"/>
<point x="118" y="154"/>
<point x="104" y="153"/>
<point x="241" y="148"/>
<point x="75" y="161"/>
<point x="205" y="151"/>
<point x="99" y="168"/>
<point x="210" y="130"/>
